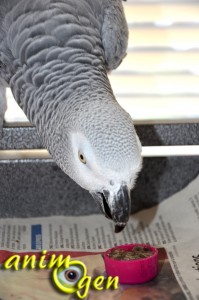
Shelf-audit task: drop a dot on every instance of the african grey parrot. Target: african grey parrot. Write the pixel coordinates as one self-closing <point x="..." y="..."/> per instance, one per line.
<point x="55" y="55"/>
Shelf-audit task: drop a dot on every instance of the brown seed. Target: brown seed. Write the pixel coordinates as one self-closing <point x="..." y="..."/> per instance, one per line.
<point x="137" y="252"/>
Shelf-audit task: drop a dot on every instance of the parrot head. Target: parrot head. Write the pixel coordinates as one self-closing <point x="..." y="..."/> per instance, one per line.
<point x="103" y="155"/>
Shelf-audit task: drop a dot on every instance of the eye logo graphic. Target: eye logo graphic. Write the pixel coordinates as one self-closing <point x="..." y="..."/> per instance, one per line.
<point x="66" y="279"/>
<point x="74" y="279"/>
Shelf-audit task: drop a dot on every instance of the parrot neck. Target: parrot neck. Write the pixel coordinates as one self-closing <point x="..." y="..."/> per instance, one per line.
<point x="37" y="90"/>
<point x="45" y="95"/>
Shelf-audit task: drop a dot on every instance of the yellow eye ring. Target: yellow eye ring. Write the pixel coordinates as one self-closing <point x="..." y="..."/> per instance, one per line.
<point x="82" y="157"/>
<point x="64" y="287"/>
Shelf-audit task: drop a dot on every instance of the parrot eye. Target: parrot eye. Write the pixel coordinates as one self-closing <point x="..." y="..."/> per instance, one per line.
<point x="81" y="157"/>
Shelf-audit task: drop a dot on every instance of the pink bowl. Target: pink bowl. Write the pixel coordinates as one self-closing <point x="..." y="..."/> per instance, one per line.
<point x="132" y="271"/>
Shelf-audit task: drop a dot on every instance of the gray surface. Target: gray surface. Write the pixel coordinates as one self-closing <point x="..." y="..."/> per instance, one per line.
<point x="166" y="134"/>
<point x="169" y="134"/>
<point x="20" y="138"/>
<point x="40" y="188"/>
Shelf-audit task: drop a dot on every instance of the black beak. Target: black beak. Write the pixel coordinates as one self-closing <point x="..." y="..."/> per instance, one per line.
<point x="116" y="207"/>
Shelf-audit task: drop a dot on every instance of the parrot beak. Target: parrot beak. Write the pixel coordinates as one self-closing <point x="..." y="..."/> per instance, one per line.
<point x="116" y="207"/>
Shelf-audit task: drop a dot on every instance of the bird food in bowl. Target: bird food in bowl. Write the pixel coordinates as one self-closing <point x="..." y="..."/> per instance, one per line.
<point x="132" y="263"/>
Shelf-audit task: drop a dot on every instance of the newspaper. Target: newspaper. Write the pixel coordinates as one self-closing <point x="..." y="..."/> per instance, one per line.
<point x="172" y="225"/>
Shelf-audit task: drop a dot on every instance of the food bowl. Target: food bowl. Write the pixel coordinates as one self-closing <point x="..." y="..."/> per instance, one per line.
<point x="138" y="265"/>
